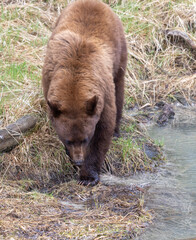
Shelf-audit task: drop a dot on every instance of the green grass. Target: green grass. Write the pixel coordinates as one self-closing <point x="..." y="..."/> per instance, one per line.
<point x="127" y="148"/>
<point x="15" y="77"/>
<point x="23" y="37"/>
<point x="129" y="128"/>
<point x="160" y="142"/>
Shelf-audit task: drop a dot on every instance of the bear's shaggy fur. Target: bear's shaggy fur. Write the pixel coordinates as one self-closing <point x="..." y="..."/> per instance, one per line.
<point x="83" y="82"/>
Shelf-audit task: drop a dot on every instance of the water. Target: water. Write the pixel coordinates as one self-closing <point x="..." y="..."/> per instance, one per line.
<point x="172" y="192"/>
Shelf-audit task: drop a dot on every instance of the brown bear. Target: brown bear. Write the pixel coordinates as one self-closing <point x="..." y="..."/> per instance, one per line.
<point x="83" y="82"/>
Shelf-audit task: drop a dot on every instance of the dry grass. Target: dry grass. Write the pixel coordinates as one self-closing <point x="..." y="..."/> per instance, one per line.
<point x="71" y="211"/>
<point x="158" y="68"/>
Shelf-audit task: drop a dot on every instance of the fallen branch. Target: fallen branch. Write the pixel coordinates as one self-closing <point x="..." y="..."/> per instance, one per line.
<point x="178" y="35"/>
<point x="12" y="134"/>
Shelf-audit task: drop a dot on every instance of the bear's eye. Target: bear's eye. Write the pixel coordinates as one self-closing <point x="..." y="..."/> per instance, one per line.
<point x="67" y="142"/>
<point x="54" y="108"/>
<point x="84" y="141"/>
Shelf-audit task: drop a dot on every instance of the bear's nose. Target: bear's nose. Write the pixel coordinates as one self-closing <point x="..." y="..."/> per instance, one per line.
<point x="78" y="163"/>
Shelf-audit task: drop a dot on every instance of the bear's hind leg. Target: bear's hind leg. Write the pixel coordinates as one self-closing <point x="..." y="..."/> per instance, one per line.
<point x="119" y="92"/>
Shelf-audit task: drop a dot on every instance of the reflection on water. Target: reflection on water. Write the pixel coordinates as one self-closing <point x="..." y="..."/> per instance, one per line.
<point x="172" y="194"/>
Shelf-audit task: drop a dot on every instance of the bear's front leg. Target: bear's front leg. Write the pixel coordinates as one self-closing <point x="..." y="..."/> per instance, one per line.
<point x="89" y="176"/>
<point x="89" y="173"/>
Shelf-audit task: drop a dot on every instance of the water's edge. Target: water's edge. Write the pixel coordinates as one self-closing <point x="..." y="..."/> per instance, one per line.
<point x="172" y="192"/>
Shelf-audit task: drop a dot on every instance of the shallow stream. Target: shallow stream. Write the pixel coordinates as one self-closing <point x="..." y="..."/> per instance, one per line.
<point x="172" y="192"/>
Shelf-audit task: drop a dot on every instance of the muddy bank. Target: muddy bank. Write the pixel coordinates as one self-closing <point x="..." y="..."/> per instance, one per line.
<point x="71" y="211"/>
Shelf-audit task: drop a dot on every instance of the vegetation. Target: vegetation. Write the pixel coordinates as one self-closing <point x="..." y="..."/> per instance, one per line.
<point x="38" y="190"/>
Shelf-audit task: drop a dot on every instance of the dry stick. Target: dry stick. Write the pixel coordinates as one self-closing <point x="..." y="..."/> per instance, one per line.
<point x="12" y="134"/>
<point x="181" y="35"/>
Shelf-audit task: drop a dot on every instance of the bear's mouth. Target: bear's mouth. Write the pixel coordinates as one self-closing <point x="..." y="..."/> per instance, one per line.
<point x="78" y="163"/>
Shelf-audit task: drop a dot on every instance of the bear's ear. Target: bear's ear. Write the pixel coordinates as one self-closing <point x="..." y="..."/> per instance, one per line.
<point x="91" y="105"/>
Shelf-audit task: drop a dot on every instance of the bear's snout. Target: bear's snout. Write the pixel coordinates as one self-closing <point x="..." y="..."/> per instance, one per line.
<point x="77" y="155"/>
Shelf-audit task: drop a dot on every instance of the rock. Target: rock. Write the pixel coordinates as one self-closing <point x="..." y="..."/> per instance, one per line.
<point x="151" y="151"/>
<point x="166" y="113"/>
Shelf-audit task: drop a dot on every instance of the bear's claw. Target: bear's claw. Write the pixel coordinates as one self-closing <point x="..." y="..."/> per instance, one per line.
<point x="89" y="180"/>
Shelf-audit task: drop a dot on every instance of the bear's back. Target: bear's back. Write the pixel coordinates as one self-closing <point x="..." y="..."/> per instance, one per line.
<point x="94" y="20"/>
<point x="84" y="54"/>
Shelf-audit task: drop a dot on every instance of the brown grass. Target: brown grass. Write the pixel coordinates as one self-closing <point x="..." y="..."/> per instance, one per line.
<point x="160" y="67"/>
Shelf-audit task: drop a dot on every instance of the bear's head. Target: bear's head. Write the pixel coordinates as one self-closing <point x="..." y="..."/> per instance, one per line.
<point x="75" y="128"/>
